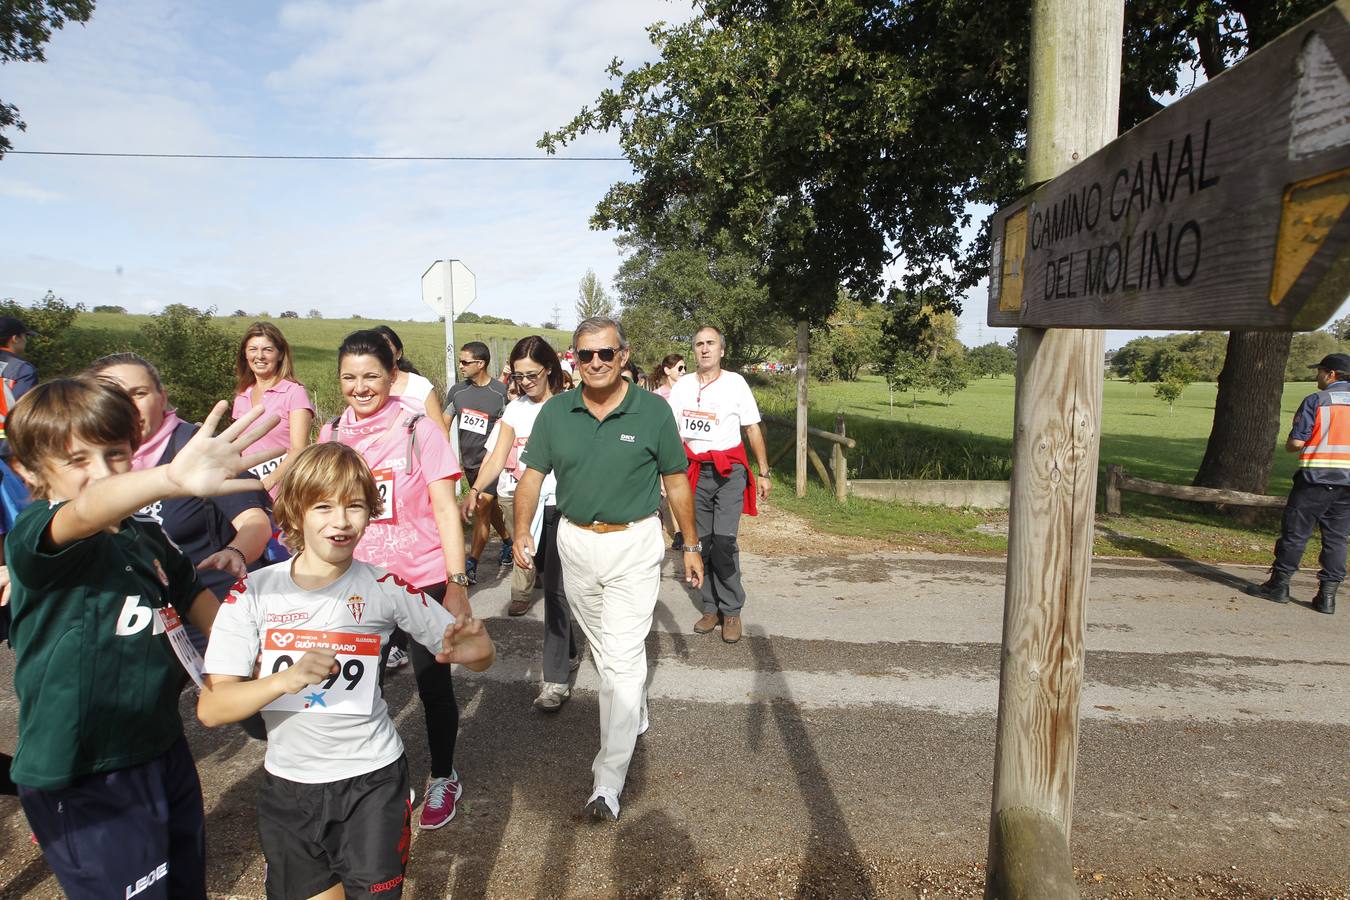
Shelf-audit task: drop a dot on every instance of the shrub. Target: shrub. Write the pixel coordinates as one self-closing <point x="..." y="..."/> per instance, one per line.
<point x="110" y="309"/>
<point x="194" y="357"/>
<point x="52" y="351"/>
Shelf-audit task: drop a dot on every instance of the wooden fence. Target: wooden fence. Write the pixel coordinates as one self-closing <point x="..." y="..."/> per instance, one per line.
<point x="1117" y="482"/>
<point x="839" y="440"/>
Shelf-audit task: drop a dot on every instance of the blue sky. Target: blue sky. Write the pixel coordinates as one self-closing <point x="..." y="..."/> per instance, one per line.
<point x="387" y="77"/>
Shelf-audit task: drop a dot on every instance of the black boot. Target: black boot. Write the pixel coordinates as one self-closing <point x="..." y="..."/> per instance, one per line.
<point x="1276" y="589"/>
<point x="1325" y="601"/>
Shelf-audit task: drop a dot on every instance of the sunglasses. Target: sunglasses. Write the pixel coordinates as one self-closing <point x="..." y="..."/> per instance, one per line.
<point x="528" y="376"/>
<point x="606" y="354"/>
<point x="471" y="362"/>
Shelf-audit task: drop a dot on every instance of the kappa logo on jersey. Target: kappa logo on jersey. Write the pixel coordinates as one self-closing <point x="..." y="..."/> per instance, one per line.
<point x="283" y="639"/>
<point x="357" y="605"/>
<point x="286" y="618"/>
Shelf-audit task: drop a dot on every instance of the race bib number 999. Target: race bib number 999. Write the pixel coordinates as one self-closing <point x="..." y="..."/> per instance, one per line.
<point x="349" y="691"/>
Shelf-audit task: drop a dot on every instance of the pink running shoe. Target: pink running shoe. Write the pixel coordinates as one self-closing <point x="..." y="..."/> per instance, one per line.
<point x="441" y="801"/>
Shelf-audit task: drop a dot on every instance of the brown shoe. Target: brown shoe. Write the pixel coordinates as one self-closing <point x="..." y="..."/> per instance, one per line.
<point x="706" y="624"/>
<point x="519" y="606"/>
<point x="731" y="629"/>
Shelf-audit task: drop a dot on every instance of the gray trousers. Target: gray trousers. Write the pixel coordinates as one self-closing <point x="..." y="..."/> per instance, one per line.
<point x="718" y="503"/>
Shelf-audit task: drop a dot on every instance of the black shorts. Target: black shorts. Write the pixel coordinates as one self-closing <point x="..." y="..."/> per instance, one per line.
<point x="355" y="832"/>
<point x="134" y="832"/>
<point x="471" y="476"/>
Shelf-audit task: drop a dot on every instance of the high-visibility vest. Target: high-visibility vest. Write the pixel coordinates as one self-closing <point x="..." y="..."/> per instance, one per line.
<point x="1328" y="446"/>
<point x="6" y="399"/>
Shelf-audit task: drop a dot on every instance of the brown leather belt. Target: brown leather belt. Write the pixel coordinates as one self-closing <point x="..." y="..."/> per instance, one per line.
<point x="601" y="527"/>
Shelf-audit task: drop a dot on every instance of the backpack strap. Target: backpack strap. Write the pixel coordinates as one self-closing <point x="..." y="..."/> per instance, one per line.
<point x="411" y="425"/>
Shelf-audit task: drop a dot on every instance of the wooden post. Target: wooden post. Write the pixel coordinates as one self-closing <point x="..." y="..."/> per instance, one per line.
<point x="839" y="462"/>
<point x="803" y="350"/>
<point x="1113" y="472"/>
<point x="1074" y="96"/>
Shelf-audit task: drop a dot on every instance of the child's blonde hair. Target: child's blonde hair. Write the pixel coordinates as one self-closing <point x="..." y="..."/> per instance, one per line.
<point x="318" y="472"/>
<point x="42" y="423"/>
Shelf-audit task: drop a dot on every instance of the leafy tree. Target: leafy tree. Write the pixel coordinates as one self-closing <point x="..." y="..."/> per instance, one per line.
<point x="1306" y="349"/>
<point x="949" y="375"/>
<point x="290" y="314"/>
<point x="105" y="308"/>
<point x="239" y="314"/>
<point x="1340" y="329"/>
<point x="467" y="318"/>
<point x="548" y="326"/>
<point x="668" y="291"/>
<point x="592" y="300"/>
<point x="54" y="350"/>
<point x="1169" y="391"/>
<point x="1136" y="376"/>
<point x="315" y="314"/>
<point x="991" y="360"/>
<point x="850" y="340"/>
<point x="25" y="28"/>
<point x="195" y="359"/>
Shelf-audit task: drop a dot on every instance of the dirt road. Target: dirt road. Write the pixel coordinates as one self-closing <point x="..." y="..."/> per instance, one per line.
<point x="845" y="747"/>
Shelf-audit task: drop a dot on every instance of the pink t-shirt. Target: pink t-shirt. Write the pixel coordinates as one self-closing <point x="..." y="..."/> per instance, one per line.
<point x="281" y="398"/>
<point x="404" y="538"/>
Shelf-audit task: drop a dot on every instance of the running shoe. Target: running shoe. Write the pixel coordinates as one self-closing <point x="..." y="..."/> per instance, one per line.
<point x="398" y="658"/>
<point x="442" y="798"/>
<point x="553" y="696"/>
<point x="603" y="805"/>
<point x="506" y="558"/>
<point x="471" y="569"/>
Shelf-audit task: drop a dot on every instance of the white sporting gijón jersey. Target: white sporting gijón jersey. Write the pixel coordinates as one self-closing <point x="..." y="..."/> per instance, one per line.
<point x="339" y="728"/>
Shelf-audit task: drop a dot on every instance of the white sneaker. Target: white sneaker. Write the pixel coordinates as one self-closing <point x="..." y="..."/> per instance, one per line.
<point x="646" y="723"/>
<point x="398" y="658"/>
<point x="553" y="695"/>
<point x="603" y="805"/>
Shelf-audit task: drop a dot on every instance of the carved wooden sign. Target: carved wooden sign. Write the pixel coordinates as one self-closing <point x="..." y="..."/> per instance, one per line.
<point x="1226" y="210"/>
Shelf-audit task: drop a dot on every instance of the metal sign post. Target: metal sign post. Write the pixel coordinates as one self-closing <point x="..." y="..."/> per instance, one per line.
<point x="449" y="288"/>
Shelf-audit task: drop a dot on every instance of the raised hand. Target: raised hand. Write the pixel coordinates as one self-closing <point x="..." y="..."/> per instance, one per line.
<point x="466" y="642"/>
<point x="207" y="464"/>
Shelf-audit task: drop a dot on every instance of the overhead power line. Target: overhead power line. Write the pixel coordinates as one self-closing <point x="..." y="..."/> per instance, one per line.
<point x="320" y="157"/>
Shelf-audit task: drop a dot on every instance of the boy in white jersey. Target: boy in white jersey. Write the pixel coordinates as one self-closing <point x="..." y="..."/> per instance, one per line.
<point x="333" y="808"/>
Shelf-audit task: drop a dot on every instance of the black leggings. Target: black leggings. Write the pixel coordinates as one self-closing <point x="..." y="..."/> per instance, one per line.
<point x="438" y="696"/>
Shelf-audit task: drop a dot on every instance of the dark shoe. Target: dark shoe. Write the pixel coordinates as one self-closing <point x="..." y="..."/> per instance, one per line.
<point x="678" y="543"/>
<point x="1325" y="601"/>
<point x="706" y="624"/>
<point x="603" y="806"/>
<point x="471" y="569"/>
<point x="731" y="629"/>
<point x="518" y="606"/>
<point x="1275" y="589"/>
<point x="507" y="556"/>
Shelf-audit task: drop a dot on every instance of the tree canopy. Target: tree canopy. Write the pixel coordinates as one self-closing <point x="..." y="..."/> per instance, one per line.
<point x="25" y="28"/>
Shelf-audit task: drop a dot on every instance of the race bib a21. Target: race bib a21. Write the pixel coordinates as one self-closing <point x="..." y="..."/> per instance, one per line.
<point x="350" y="691"/>
<point x="697" y="424"/>
<point x="473" y="420"/>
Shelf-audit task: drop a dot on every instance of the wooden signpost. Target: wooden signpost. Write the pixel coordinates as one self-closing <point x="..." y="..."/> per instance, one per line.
<point x="1226" y="210"/>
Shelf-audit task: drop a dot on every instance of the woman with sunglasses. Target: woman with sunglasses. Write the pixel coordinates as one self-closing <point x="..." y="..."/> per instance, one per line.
<point x="665" y="374"/>
<point x="411" y="387"/>
<point x="417" y="537"/>
<point x="536" y="371"/>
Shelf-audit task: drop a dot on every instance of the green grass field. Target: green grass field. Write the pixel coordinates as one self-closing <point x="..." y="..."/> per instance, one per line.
<point x="968" y="435"/>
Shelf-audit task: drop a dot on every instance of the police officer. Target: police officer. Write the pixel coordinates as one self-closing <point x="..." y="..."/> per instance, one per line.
<point x="1321" y="493"/>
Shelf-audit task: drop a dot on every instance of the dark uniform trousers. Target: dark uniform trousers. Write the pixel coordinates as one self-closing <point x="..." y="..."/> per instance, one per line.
<point x="1311" y="505"/>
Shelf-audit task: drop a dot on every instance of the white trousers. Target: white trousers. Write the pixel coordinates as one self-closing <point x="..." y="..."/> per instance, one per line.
<point x="611" y="581"/>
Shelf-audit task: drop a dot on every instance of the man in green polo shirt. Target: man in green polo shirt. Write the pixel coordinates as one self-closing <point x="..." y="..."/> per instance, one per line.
<point x="609" y="444"/>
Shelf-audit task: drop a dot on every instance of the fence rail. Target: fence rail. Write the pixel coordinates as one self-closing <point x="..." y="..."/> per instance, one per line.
<point x="1117" y="482"/>
<point x="838" y="460"/>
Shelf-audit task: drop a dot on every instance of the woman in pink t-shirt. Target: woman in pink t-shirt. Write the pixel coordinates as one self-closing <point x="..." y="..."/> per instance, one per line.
<point x="418" y="536"/>
<point x="264" y="374"/>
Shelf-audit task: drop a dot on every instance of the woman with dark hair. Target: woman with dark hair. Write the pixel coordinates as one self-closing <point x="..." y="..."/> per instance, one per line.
<point x="223" y="536"/>
<point x="633" y="374"/>
<point x="264" y="374"/>
<point x="417" y="537"/>
<point x="665" y="374"/>
<point x="537" y="372"/>
<point x="410" y="386"/>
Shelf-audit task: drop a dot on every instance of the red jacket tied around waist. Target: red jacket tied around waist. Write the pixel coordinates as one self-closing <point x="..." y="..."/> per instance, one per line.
<point x="723" y="461"/>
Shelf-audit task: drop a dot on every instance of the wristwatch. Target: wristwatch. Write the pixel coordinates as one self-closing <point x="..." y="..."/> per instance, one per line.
<point x="696" y="547"/>
<point x="459" y="578"/>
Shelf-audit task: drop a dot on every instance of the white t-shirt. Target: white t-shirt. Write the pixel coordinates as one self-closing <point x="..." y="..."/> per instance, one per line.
<point x="711" y="417"/>
<point x="520" y="415"/>
<point x="415" y="393"/>
<point x="315" y="748"/>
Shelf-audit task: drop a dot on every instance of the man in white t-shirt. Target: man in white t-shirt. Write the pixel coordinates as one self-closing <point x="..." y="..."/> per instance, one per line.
<point x="711" y="408"/>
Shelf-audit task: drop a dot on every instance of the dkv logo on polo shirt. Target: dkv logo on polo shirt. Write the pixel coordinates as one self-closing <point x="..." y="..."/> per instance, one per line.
<point x="628" y="438"/>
